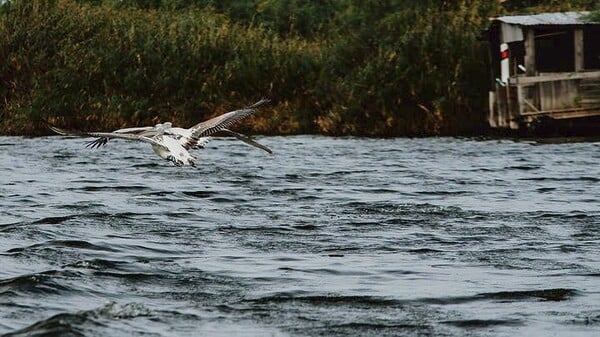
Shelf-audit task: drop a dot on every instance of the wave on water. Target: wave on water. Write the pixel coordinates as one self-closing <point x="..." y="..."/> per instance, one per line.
<point x="558" y="294"/>
<point x="77" y="244"/>
<point x="83" y="323"/>
<point x="46" y="282"/>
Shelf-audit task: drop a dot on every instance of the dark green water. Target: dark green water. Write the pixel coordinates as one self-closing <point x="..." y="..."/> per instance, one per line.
<point x="332" y="237"/>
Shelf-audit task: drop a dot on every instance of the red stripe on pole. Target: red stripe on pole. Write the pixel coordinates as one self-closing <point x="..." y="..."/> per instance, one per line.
<point x="504" y="54"/>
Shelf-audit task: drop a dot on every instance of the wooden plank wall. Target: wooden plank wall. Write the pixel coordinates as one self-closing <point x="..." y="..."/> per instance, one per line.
<point x="558" y="95"/>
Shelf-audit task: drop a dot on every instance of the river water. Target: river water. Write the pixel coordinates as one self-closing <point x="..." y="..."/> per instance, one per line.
<point x="327" y="236"/>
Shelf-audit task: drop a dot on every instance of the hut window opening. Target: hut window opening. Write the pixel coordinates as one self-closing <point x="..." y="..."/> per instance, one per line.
<point x="591" y="48"/>
<point x="554" y="50"/>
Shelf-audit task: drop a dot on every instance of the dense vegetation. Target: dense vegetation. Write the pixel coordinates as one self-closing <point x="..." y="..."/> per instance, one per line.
<point x="594" y="16"/>
<point x="361" y="67"/>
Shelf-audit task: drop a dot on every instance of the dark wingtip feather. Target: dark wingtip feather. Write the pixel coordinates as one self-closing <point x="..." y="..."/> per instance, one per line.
<point x="96" y="143"/>
<point x="259" y="103"/>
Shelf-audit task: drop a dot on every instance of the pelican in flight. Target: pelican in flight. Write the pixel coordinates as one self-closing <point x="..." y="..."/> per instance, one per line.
<point x="173" y="143"/>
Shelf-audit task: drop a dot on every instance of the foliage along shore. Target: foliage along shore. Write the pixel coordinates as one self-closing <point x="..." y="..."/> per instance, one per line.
<point x="335" y="67"/>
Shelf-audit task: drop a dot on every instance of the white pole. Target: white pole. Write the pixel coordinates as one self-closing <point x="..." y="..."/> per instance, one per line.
<point x="504" y="63"/>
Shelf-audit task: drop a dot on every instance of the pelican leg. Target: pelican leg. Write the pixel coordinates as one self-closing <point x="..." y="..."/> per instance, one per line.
<point x="172" y="159"/>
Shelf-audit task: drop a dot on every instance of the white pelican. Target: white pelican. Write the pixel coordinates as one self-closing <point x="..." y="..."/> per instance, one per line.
<point x="173" y="143"/>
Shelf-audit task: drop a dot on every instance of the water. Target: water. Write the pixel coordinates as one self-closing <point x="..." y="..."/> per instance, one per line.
<point x="332" y="237"/>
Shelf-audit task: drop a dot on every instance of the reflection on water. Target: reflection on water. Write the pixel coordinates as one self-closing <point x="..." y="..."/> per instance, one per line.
<point x="328" y="236"/>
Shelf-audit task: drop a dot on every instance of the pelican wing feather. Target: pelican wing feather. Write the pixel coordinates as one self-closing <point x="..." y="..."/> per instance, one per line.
<point x="220" y="123"/>
<point x="107" y="135"/>
<point x="247" y="140"/>
<point x="147" y="131"/>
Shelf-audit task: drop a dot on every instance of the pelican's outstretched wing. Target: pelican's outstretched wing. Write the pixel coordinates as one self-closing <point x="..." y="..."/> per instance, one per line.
<point x="106" y="135"/>
<point x="220" y="123"/>
<point x="147" y="131"/>
<point x="246" y="140"/>
<point x="137" y="129"/>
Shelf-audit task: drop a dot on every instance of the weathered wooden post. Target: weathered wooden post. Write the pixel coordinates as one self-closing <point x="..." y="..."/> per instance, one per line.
<point x="578" y="40"/>
<point x="530" y="52"/>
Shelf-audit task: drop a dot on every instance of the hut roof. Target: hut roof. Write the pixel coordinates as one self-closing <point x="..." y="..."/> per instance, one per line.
<point x="548" y="19"/>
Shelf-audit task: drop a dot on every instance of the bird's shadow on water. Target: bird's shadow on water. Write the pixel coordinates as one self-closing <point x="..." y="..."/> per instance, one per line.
<point x="147" y="165"/>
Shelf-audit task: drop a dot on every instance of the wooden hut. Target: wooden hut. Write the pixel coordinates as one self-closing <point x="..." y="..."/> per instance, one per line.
<point x="544" y="66"/>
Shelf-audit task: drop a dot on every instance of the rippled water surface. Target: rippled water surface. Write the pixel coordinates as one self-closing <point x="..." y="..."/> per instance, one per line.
<point x="332" y="237"/>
